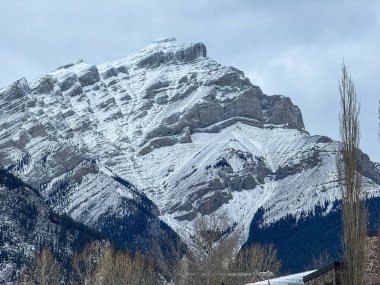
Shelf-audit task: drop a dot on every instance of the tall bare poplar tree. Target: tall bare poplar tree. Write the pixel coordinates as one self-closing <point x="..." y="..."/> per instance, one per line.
<point x="353" y="213"/>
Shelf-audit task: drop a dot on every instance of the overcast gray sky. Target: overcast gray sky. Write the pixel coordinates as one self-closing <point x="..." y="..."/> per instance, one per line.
<point x="294" y="48"/>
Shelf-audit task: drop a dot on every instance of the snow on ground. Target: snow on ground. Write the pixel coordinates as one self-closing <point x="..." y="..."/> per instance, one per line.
<point x="294" y="279"/>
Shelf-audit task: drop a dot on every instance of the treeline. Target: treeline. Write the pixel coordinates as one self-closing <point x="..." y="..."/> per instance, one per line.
<point x="310" y="234"/>
<point x="98" y="263"/>
<point x="83" y="234"/>
<point x="12" y="182"/>
<point x="215" y="259"/>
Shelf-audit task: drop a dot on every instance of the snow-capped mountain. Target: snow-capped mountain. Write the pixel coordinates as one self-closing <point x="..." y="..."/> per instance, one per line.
<point x="170" y="129"/>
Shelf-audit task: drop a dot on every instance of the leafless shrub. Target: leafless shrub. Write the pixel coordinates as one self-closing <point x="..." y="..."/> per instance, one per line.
<point x="215" y="260"/>
<point x="216" y="249"/>
<point x="43" y="270"/>
<point x="320" y="261"/>
<point x="254" y="260"/>
<point x="85" y="263"/>
<point x="105" y="265"/>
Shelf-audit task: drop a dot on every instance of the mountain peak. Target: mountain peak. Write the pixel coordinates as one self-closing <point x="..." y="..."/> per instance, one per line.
<point x="166" y="51"/>
<point x="164" y="40"/>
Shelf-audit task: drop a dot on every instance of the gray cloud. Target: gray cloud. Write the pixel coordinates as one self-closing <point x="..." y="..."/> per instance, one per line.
<point x="293" y="48"/>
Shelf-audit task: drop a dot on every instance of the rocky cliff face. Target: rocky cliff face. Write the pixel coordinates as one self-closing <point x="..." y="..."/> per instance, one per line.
<point x="189" y="136"/>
